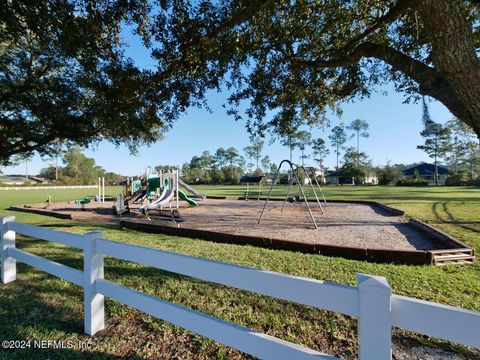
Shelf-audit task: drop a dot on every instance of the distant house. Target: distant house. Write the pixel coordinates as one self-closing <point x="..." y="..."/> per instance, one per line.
<point x="333" y="177"/>
<point x="426" y="172"/>
<point x="319" y="174"/>
<point x="20" y="180"/>
<point x="371" y="179"/>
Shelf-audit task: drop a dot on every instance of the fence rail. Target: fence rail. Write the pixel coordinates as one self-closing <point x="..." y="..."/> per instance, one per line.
<point x="59" y="187"/>
<point x="371" y="301"/>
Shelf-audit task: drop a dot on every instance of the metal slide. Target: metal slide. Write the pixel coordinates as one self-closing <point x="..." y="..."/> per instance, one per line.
<point x="136" y="197"/>
<point x="165" y="197"/>
<point x="191" y="190"/>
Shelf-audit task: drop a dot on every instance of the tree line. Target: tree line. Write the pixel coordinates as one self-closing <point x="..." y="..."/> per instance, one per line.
<point x="72" y="167"/>
<point x="228" y="165"/>
<point x="454" y="144"/>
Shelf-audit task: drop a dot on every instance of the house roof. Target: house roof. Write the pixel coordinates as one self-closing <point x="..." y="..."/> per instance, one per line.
<point x="425" y="169"/>
<point x="20" y="178"/>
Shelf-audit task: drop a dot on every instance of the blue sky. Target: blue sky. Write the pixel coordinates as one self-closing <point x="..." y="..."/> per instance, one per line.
<point x="394" y="132"/>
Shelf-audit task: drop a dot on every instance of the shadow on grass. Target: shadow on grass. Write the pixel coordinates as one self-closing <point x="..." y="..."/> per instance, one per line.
<point x="441" y="208"/>
<point x="27" y="311"/>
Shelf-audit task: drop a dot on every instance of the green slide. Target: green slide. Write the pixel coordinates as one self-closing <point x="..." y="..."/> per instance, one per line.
<point x="184" y="196"/>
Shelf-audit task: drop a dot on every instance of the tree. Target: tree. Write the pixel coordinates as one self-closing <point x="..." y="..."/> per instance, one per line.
<point x="250" y="152"/>
<point x="79" y="168"/>
<point x="320" y="151"/>
<point x="338" y="137"/>
<point x="56" y="150"/>
<point x="388" y="174"/>
<point x="64" y="76"/>
<point x="225" y="160"/>
<point x="464" y="151"/>
<point x="304" y="57"/>
<point x="355" y="165"/>
<point x="257" y="147"/>
<point x="290" y="140"/>
<point x="220" y="157"/>
<point x="360" y="128"/>
<point x="266" y="163"/>
<point x="205" y="161"/>
<point x="164" y="168"/>
<point x="459" y="144"/>
<point x="437" y="143"/>
<point x="196" y="166"/>
<point x="304" y="139"/>
<point x="232" y="156"/>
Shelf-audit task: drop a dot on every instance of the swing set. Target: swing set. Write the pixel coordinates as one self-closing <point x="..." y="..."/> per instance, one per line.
<point x="292" y="180"/>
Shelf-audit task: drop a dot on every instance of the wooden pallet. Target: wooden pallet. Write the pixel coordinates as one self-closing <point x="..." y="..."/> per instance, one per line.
<point x="453" y="256"/>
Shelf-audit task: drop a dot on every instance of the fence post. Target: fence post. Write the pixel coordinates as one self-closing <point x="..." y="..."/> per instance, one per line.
<point x="7" y="240"/>
<point x="375" y="324"/>
<point x="93" y="270"/>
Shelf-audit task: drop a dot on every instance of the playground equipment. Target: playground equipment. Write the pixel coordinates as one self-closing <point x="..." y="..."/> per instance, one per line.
<point x="194" y="193"/>
<point x="312" y="170"/>
<point x="82" y="203"/>
<point x="156" y="191"/>
<point x="101" y="189"/>
<point x="168" y="183"/>
<point x="252" y="179"/>
<point x="293" y="179"/>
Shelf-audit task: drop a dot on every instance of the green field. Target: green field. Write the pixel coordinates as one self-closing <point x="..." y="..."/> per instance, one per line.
<point x="39" y="306"/>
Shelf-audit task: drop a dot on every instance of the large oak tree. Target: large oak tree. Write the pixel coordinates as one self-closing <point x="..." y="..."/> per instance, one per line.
<point x="64" y="76"/>
<point x="292" y="60"/>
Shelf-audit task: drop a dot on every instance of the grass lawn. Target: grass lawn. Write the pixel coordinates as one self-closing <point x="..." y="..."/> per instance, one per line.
<point x="39" y="306"/>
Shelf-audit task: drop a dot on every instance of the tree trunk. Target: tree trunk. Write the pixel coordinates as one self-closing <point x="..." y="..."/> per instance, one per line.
<point x="453" y="77"/>
<point x="338" y="175"/>
<point x="454" y="57"/>
<point x="436" y="170"/>
<point x="56" y="167"/>
<point x="358" y="149"/>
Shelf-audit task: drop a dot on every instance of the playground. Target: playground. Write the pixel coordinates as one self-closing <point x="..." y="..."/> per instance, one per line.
<point x="162" y="202"/>
<point x="428" y="204"/>
<point x="367" y="231"/>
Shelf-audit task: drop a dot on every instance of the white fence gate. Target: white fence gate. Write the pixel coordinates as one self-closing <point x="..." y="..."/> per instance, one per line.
<point x="371" y="301"/>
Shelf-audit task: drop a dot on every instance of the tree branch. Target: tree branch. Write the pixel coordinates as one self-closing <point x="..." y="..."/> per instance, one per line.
<point x="394" y="13"/>
<point x="411" y="67"/>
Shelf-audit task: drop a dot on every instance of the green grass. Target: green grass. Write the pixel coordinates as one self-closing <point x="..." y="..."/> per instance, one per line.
<point x="39" y="306"/>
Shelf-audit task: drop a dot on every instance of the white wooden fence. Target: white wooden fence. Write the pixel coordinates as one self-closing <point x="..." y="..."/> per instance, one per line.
<point x="371" y="301"/>
<point x="59" y="187"/>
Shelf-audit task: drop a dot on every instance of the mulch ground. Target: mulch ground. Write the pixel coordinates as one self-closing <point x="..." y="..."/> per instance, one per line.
<point x="342" y="224"/>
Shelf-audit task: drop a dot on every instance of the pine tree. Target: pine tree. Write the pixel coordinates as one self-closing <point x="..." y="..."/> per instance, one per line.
<point x="437" y="143"/>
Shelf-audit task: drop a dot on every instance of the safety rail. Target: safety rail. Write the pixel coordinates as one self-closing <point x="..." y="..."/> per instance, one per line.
<point x="371" y="301"/>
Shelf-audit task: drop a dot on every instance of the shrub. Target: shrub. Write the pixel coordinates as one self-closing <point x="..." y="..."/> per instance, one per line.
<point x="411" y="182"/>
<point x="456" y="180"/>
